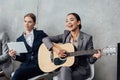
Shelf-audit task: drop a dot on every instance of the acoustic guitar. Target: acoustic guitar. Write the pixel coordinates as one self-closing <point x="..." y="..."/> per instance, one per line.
<point x="49" y="61"/>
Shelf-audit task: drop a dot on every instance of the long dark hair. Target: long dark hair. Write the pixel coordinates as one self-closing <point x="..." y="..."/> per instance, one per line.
<point x="77" y="17"/>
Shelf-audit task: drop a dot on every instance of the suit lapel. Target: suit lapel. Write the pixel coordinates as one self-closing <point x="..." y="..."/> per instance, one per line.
<point x="66" y="38"/>
<point x="80" y="39"/>
<point x="23" y="39"/>
<point x="35" y="36"/>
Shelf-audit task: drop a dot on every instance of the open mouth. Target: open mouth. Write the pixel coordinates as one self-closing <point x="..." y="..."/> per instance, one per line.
<point x="70" y="26"/>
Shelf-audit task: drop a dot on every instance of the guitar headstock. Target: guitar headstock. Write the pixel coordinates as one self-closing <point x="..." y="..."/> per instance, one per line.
<point x="109" y="50"/>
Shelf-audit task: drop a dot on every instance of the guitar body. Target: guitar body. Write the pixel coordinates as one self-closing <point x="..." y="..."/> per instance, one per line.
<point x="48" y="65"/>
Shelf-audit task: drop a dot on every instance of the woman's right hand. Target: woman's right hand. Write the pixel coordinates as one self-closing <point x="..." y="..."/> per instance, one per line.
<point x="12" y="53"/>
<point x="60" y="52"/>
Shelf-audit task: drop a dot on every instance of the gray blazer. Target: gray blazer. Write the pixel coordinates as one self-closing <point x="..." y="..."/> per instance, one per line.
<point x="85" y="40"/>
<point x="3" y="48"/>
<point x="84" y="43"/>
<point x="5" y="60"/>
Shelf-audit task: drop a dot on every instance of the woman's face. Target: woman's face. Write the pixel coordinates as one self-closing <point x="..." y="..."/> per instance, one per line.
<point x="71" y="23"/>
<point x="28" y="23"/>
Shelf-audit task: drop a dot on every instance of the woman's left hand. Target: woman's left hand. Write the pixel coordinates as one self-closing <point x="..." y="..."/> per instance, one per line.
<point x="98" y="55"/>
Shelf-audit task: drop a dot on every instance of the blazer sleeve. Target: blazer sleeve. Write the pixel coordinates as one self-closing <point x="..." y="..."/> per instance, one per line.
<point x="4" y="57"/>
<point x="90" y="46"/>
<point x="48" y="40"/>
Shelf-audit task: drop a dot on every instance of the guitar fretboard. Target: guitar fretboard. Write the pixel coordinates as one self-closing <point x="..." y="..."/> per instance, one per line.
<point x="105" y="52"/>
<point x="82" y="53"/>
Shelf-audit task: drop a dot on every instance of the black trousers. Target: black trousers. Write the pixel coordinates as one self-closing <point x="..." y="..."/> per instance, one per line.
<point x="26" y="72"/>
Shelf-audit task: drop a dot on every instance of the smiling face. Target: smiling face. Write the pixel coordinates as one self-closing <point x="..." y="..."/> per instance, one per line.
<point x="28" y="23"/>
<point x="72" y="23"/>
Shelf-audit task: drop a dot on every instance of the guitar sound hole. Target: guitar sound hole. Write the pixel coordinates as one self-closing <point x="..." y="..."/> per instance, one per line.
<point x="58" y="61"/>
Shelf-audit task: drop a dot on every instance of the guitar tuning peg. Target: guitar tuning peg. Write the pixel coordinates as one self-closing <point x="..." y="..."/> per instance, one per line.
<point x="110" y="50"/>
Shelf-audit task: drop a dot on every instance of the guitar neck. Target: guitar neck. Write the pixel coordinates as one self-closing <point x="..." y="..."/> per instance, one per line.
<point x="82" y="53"/>
<point x="105" y="52"/>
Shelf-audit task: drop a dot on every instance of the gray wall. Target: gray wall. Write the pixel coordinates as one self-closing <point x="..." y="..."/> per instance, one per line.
<point x="12" y="15"/>
<point x="100" y="18"/>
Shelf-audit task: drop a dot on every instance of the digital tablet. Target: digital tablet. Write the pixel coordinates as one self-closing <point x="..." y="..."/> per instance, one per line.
<point x="19" y="47"/>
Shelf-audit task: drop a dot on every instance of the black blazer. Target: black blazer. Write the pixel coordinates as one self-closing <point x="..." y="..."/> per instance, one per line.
<point x="32" y="56"/>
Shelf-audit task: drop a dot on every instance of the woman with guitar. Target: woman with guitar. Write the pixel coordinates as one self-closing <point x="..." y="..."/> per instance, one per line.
<point x="80" y="70"/>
